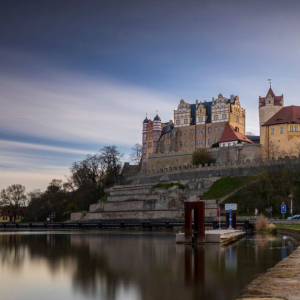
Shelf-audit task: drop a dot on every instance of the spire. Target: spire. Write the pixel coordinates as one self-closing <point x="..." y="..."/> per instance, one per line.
<point x="146" y="120"/>
<point x="270" y="81"/>
<point x="157" y="118"/>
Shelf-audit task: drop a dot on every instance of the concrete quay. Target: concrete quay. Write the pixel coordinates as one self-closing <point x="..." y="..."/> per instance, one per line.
<point x="282" y="282"/>
<point x="216" y="236"/>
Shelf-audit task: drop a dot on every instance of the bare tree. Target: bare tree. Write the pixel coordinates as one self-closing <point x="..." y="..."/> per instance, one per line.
<point x="272" y="150"/>
<point x="250" y="133"/>
<point x="136" y="154"/>
<point x="13" y="197"/>
<point x="111" y="162"/>
<point x="291" y="151"/>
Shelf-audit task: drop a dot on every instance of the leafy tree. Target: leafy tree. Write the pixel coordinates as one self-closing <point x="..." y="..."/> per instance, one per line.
<point x="201" y="156"/>
<point x="111" y="162"/>
<point x="136" y="154"/>
<point x="13" y="197"/>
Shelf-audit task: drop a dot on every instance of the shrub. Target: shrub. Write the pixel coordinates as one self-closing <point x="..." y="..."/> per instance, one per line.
<point x="261" y="223"/>
<point x="202" y="156"/>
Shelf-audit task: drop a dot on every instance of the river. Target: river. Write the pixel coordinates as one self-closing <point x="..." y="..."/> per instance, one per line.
<point x="129" y="265"/>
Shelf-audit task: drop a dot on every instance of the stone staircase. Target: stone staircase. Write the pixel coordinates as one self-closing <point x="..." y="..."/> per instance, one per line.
<point x="144" y="201"/>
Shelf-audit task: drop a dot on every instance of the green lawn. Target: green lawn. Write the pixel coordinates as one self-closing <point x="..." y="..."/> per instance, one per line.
<point x="224" y="186"/>
<point x="294" y="226"/>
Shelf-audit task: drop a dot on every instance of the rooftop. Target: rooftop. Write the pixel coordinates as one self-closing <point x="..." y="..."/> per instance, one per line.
<point x="288" y="114"/>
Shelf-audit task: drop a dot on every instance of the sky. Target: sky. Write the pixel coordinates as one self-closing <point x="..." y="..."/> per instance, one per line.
<point x="78" y="75"/>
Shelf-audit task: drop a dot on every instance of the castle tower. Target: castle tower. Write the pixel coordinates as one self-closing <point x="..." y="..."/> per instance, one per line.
<point x="156" y="131"/>
<point x="269" y="106"/>
<point x="144" y="141"/>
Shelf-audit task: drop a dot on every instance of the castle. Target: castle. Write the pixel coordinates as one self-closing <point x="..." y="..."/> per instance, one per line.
<point x="202" y="125"/>
<point x="198" y="125"/>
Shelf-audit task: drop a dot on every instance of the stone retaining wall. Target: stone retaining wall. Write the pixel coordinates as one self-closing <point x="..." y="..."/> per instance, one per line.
<point x="291" y="232"/>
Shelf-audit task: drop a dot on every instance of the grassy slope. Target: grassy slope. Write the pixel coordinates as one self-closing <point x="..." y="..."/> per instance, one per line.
<point x="225" y="186"/>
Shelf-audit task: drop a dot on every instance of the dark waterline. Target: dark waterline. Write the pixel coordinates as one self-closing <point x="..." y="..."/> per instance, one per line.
<point x="130" y="265"/>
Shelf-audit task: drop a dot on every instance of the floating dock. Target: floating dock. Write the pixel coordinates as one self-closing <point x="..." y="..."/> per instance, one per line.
<point x="216" y="236"/>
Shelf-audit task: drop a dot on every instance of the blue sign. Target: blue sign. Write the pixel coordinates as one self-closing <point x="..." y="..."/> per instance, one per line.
<point x="283" y="208"/>
<point x="230" y="218"/>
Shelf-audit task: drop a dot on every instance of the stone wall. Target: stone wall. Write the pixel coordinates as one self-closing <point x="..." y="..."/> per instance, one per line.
<point x="239" y="153"/>
<point x="190" y="172"/>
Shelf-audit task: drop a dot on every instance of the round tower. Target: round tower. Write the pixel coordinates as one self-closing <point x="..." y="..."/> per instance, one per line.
<point x="269" y="106"/>
<point x="144" y="140"/>
<point x="156" y="131"/>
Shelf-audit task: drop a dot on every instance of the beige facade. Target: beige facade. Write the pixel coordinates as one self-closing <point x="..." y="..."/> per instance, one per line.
<point x="279" y="126"/>
<point x="281" y="140"/>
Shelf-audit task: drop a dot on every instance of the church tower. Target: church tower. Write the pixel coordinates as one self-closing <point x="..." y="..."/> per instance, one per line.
<point x="268" y="106"/>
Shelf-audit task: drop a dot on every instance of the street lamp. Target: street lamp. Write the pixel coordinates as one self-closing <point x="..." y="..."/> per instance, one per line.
<point x="291" y="211"/>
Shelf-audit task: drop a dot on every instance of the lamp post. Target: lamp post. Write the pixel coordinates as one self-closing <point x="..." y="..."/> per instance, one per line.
<point x="291" y="211"/>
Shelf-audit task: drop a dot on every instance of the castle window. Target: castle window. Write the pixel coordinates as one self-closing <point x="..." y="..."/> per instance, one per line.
<point x="178" y="122"/>
<point x="185" y="132"/>
<point x="272" y="130"/>
<point x="192" y="131"/>
<point x="281" y="130"/>
<point x="296" y="127"/>
<point x="200" y="110"/>
<point x="185" y="143"/>
<point x="224" y="116"/>
<point x="216" y="117"/>
<point x="209" y="141"/>
<point x="291" y="128"/>
<point x="198" y="142"/>
<point x="216" y="129"/>
<point x="149" y="145"/>
<point x="216" y="140"/>
<point x="180" y="144"/>
<point x="198" y="131"/>
<point x="192" y="143"/>
<point x="237" y="119"/>
<point x="201" y="119"/>
<point x="209" y="130"/>
<point x="221" y="128"/>
<point x="203" y="130"/>
<point x="185" y="121"/>
<point x="180" y="133"/>
<point x="203" y="142"/>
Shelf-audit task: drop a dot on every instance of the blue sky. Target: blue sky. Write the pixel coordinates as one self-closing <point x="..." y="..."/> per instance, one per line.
<point x="79" y="75"/>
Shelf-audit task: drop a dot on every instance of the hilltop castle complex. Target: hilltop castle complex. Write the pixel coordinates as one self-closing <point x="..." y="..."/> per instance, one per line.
<point x="218" y="126"/>
<point x="203" y="123"/>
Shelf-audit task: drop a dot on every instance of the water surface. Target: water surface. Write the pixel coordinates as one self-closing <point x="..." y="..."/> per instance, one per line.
<point x="135" y="265"/>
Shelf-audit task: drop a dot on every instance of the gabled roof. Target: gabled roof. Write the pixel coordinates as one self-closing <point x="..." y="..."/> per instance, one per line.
<point x="288" y="114"/>
<point x="277" y="99"/>
<point x="230" y="134"/>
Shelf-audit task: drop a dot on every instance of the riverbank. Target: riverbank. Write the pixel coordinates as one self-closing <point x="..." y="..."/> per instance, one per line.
<point x="280" y="282"/>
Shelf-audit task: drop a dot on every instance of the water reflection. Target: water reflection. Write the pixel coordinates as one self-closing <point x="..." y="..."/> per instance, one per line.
<point x="131" y="265"/>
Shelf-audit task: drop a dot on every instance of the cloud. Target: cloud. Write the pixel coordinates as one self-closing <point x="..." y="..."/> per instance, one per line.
<point x="6" y="144"/>
<point x="76" y="108"/>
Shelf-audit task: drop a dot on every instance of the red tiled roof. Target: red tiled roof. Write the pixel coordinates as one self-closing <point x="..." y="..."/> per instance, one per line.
<point x="230" y="134"/>
<point x="277" y="99"/>
<point x="288" y="114"/>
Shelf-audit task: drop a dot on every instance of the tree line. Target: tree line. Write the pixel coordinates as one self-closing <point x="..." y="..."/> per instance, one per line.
<point x="85" y="185"/>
